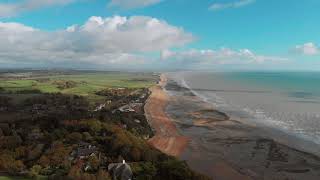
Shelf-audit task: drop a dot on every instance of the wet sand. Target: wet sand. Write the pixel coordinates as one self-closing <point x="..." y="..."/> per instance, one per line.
<point x="226" y="149"/>
<point x="215" y="145"/>
<point x="166" y="139"/>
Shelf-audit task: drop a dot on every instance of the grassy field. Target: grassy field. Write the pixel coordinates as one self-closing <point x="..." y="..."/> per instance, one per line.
<point x="21" y="178"/>
<point x="12" y="178"/>
<point x="85" y="84"/>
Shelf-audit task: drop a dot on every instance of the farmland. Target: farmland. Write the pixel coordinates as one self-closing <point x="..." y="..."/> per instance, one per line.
<point x="81" y="83"/>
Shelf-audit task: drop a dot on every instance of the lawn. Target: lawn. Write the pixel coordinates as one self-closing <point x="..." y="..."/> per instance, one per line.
<point x="12" y="178"/>
<point x="22" y="178"/>
<point x="86" y="83"/>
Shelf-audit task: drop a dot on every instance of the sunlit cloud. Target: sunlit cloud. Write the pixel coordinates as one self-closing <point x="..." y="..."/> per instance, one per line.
<point x="130" y="4"/>
<point x="309" y="49"/>
<point x="10" y="9"/>
<point x="231" y="5"/>
<point x="102" y="41"/>
<point x="223" y="56"/>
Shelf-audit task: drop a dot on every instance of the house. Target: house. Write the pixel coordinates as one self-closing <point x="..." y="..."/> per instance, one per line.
<point x="84" y="144"/>
<point x="120" y="171"/>
<point x="137" y="121"/>
<point x="35" y="134"/>
<point x="126" y="108"/>
<point x="131" y="107"/>
<point x="137" y="107"/>
<point x="100" y="107"/>
<point x="87" y="167"/>
<point x="143" y="96"/>
<point x="84" y="151"/>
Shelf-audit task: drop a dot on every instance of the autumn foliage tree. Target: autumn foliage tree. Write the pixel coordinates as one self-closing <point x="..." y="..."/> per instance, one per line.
<point x="10" y="164"/>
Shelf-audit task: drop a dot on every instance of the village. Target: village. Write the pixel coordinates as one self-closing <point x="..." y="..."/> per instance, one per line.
<point x="83" y="129"/>
<point x="37" y="144"/>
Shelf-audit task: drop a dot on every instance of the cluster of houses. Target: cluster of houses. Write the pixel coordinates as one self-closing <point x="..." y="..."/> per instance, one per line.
<point x="119" y="171"/>
<point x="83" y="152"/>
<point x="131" y="107"/>
<point x="135" y="104"/>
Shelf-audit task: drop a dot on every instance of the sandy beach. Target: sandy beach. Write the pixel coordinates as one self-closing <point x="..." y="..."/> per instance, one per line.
<point x="214" y="144"/>
<point x="167" y="139"/>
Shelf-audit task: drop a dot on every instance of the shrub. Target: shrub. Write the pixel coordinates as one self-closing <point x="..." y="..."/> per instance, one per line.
<point x="10" y="164"/>
<point x="35" y="171"/>
<point x="74" y="137"/>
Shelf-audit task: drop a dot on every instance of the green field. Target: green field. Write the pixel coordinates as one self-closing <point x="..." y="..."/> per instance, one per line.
<point x="86" y="84"/>
<point x="12" y="178"/>
<point x="22" y="178"/>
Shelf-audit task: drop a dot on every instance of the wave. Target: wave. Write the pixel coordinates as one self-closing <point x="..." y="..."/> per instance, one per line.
<point x="256" y="113"/>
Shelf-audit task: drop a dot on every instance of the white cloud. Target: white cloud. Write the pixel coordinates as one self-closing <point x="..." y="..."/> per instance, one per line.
<point x="235" y="4"/>
<point x="129" y="4"/>
<point x="206" y="58"/>
<point x="104" y="41"/>
<point x="10" y="9"/>
<point x="307" y="49"/>
<point x="14" y="8"/>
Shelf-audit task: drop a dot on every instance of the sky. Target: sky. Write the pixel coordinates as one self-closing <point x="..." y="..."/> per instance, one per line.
<point x="160" y="34"/>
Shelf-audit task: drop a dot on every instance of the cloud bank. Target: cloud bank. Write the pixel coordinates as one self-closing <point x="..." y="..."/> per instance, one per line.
<point x="309" y="49"/>
<point x="101" y="41"/>
<point x="14" y="8"/>
<point x="210" y="58"/>
<point x="115" y="42"/>
<point x="231" y="5"/>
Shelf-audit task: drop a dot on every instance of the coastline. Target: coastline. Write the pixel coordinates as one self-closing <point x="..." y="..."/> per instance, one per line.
<point x="166" y="139"/>
<point x="215" y="145"/>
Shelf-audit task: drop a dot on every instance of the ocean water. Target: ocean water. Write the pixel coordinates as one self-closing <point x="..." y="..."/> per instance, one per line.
<point x="286" y="101"/>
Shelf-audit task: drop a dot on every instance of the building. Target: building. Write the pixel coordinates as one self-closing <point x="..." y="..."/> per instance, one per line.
<point x="100" y="107"/>
<point x="84" y="151"/>
<point x="126" y="108"/>
<point x="120" y="171"/>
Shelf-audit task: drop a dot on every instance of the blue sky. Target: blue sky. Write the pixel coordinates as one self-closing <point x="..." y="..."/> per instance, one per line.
<point x="189" y="34"/>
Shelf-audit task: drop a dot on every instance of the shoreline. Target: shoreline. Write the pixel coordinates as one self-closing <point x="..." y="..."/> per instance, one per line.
<point x="166" y="139"/>
<point x="214" y="144"/>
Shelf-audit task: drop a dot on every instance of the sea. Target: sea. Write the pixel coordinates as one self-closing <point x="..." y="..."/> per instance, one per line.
<point x="288" y="102"/>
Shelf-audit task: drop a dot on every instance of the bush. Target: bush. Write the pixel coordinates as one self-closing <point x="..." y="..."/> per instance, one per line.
<point x="94" y="162"/>
<point x="74" y="137"/>
<point x="174" y="170"/>
<point x="10" y="164"/>
<point x="35" y="171"/>
<point x="144" y="171"/>
<point x="29" y="91"/>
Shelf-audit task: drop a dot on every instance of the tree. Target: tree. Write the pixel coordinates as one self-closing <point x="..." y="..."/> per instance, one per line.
<point x="144" y="171"/>
<point x="74" y="172"/>
<point x="10" y="164"/>
<point x="87" y="136"/>
<point x="74" y="137"/>
<point x="20" y="152"/>
<point x="94" y="162"/>
<point x="35" y="171"/>
<point x="57" y="156"/>
<point x="103" y="175"/>
<point x="135" y="154"/>
<point x="173" y="169"/>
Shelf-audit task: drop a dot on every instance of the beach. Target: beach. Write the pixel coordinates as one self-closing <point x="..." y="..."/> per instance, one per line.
<point x="166" y="139"/>
<point x="214" y="144"/>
